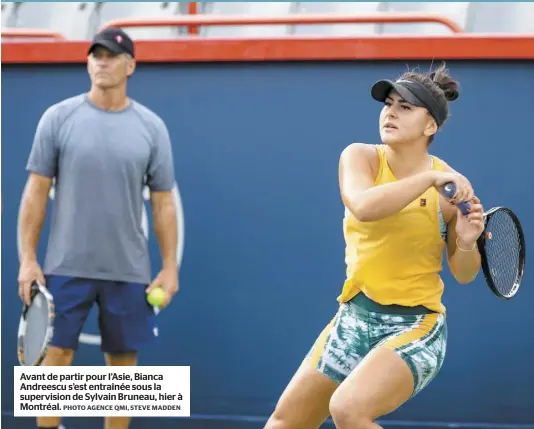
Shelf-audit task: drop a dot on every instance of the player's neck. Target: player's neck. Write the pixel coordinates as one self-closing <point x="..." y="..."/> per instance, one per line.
<point x="110" y="98"/>
<point x="407" y="160"/>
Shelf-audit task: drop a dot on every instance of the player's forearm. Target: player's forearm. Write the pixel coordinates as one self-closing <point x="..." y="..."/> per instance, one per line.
<point x="164" y="214"/>
<point x="465" y="262"/>
<point x="32" y="216"/>
<point x="382" y="201"/>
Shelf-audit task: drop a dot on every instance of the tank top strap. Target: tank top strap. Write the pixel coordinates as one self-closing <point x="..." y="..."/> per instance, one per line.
<point x="437" y="164"/>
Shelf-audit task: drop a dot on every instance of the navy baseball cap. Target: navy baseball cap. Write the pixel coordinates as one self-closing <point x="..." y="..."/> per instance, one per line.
<point x="114" y="40"/>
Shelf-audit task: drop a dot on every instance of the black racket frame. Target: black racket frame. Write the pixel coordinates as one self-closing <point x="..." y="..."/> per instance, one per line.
<point x="481" y="242"/>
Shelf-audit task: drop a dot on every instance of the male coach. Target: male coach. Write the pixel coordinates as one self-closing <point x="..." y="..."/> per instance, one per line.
<point x="102" y="148"/>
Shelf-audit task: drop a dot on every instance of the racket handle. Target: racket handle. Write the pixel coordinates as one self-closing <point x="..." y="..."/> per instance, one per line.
<point x="449" y="189"/>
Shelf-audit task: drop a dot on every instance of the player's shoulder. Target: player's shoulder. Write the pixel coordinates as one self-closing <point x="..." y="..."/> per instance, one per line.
<point x="367" y="151"/>
<point x="363" y="149"/>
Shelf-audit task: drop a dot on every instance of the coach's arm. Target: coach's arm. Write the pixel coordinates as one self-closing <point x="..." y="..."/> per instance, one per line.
<point x="164" y="214"/>
<point x="42" y="167"/>
<point x="160" y="179"/>
<point x="32" y="215"/>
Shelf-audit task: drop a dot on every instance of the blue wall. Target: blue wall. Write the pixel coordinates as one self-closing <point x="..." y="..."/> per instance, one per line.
<point x="256" y="151"/>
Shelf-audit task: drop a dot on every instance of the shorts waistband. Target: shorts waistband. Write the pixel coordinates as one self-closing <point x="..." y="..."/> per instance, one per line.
<point x="364" y="302"/>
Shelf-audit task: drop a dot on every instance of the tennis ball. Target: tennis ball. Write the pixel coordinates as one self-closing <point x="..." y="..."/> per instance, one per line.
<point x="156" y="297"/>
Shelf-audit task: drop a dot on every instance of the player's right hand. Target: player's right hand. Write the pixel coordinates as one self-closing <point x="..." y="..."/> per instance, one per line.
<point x="464" y="190"/>
<point x="30" y="271"/>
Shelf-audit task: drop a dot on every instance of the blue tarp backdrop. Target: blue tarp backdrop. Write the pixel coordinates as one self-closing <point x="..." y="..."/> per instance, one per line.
<point x="256" y="151"/>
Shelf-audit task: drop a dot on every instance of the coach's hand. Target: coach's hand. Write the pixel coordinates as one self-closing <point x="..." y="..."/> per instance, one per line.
<point x="167" y="279"/>
<point x="30" y="271"/>
<point x="469" y="228"/>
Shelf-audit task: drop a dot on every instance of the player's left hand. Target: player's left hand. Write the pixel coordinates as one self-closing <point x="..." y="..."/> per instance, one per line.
<point x="167" y="279"/>
<point x="470" y="227"/>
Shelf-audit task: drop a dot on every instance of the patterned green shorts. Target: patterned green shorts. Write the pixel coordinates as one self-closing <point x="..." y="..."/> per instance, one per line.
<point x="361" y="325"/>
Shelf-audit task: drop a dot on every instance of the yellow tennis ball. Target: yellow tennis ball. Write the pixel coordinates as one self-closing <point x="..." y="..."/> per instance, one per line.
<point x="156" y="297"/>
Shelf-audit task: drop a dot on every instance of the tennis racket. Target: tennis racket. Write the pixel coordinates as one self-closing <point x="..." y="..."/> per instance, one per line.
<point x="501" y="246"/>
<point x="36" y="327"/>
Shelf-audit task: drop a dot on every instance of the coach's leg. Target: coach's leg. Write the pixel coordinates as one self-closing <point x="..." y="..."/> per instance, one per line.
<point x="119" y="359"/>
<point x="55" y="356"/>
<point x="73" y="299"/>
<point x="126" y="324"/>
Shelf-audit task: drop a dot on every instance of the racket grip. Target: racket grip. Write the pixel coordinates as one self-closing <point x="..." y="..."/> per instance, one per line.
<point x="449" y="189"/>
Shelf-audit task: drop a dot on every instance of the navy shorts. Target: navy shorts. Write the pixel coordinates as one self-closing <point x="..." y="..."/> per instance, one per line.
<point x="125" y="318"/>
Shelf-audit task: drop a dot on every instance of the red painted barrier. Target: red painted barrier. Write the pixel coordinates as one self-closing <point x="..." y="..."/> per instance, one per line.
<point x="455" y="46"/>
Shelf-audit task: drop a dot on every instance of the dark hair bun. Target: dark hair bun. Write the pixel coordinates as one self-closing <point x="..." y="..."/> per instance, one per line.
<point x="445" y="82"/>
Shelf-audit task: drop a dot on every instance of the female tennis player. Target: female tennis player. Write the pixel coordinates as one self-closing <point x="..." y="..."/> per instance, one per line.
<point x="388" y="338"/>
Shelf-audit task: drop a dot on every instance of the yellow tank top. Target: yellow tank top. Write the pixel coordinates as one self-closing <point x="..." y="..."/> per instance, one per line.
<point x="397" y="260"/>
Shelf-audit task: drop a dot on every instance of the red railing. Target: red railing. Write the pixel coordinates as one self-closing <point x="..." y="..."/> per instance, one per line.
<point x="25" y="33"/>
<point x="194" y="20"/>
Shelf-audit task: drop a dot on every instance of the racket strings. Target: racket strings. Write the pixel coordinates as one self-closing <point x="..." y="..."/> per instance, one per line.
<point x="503" y="247"/>
<point x="36" y="328"/>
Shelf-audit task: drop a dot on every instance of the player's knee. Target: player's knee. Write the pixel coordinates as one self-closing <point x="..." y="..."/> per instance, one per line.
<point x="277" y="421"/>
<point x="348" y="414"/>
<point x="56" y="356"/>
<point x="274" y="423"/>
